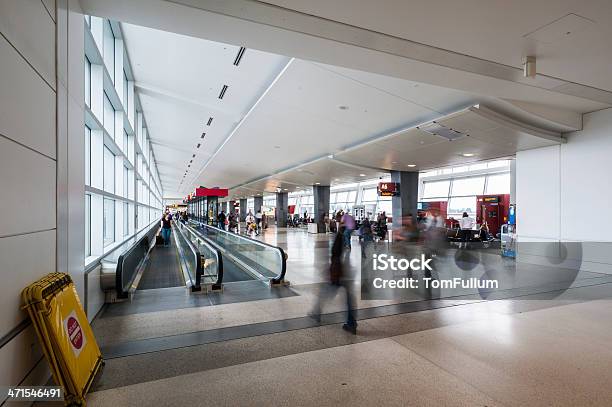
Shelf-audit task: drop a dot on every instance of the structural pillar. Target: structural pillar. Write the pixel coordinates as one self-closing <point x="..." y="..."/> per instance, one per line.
<point x="513" y="182"/>
<point x="282" y="206"/>
<point x="321" y="205"/>
<point x="243" y="209"/>
<point x="257" y="204"/>
<point x="406" y="203"/>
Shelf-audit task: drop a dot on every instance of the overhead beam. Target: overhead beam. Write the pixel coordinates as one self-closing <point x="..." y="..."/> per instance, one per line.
<point x="289" y="32"/>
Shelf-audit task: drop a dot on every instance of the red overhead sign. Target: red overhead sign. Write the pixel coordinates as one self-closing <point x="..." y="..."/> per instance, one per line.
<point x="220" y="192"/>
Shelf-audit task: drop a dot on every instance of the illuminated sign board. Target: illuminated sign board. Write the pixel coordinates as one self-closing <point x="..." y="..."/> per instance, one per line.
<point x="388" y="189"/>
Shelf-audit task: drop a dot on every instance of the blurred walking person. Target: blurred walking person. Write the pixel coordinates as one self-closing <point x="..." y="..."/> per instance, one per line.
<point x="338" y="278"/>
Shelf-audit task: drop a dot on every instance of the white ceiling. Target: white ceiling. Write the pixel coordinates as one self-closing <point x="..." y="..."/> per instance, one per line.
<point x="281" y="118"/>
<point x="499" y="31"/>
<point x="300" y="119"/>
<point x="487" y="135"/>
<point x="178" y="79"/>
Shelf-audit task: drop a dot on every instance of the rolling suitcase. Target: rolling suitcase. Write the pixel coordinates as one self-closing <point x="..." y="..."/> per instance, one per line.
<point x="65" y="336"/>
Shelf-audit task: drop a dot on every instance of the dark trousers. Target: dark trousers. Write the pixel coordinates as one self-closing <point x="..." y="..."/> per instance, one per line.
<point x="329" y="292"/>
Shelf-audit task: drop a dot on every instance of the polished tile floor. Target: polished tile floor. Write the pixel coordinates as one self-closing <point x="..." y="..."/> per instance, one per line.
<point x="267" y="351"/>
<point x="557" y="356"/>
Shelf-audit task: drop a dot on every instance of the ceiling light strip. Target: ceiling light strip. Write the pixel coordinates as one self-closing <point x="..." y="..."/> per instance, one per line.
<point x="239" y="124"/>
<point x="223" y="90"/>
<point x="239" y="56"/>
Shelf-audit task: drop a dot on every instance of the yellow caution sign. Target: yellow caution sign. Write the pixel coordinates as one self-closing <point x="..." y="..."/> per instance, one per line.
<point x="65" y="334"/>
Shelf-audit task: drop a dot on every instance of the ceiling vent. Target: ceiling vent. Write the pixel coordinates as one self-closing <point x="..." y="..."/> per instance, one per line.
<point x="239" y="56"/>
<point x="441" y="131"/>
<point x="210" y="119"/>
<point x="223" y="90"/>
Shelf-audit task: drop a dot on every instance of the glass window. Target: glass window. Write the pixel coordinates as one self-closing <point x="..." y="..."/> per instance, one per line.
<point x="498" y="163"/>
<point x="126" y="182"/>
<point x="87" y="225"/>
<point x="109" y="221"/>
<point x="351" y="196"/>
<point x="341" y="196"/>
<point x="125" y="92"/>
<point x="109" y="116"/>
<point x="384" y="206"/>
<point x="463" y="168"/>
<point x="458" y="205"/>
<point x="429" y="173"/>
<point x="87" y="82"/>
<point x="498" y="184"/>
<point x="370" y="195"/>
<point x="476" y="167"/>
<point x="126" y="143"/>
<point x="109" y="170"/>
<point x="109" y="49"/>
<point x="332" y="198"/>
<point x="468" y="186"/>
<point x="126" y="219"/>
<point x="87" y="156"/>
<point x="434" y="189"/>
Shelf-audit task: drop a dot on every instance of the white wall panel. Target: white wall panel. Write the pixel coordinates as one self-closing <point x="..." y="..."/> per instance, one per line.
<point x="586" y="179"/>
<point x="28" y="190"/>
<point x="18" y="356"/>
<point x="50" y="5"/>
<point x="95" y="295"/>
<point x="25" y="258"/>
<point x="27" y="103"/>
<point x="28" y="26"/>
<point x="537" y="193"/>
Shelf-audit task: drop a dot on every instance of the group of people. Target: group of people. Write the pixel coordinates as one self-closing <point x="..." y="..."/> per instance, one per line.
<point x="254" y="223"/>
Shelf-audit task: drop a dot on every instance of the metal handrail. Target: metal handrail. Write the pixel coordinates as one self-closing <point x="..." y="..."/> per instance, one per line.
<point x="219" y="282"/>
<point x="280" y="278"/>
<point x="121" y="287"/>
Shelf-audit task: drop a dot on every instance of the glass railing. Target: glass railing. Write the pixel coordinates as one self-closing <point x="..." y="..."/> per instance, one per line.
<point x="202" y="260"/>
<point x="263" y="261"/>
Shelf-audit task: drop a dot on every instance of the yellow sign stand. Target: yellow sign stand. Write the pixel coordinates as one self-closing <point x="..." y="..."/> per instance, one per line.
<point x="64" y="333"/>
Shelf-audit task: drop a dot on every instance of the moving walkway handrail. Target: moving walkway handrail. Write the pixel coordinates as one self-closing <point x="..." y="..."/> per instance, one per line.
<point x="200" y="267"/>
<point x="280" y="278"/>
<point x="130" y="259"/>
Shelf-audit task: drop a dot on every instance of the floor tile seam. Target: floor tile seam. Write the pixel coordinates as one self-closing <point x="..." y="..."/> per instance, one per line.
<point x="292" y="354"/>
<point x="295" y="318"/>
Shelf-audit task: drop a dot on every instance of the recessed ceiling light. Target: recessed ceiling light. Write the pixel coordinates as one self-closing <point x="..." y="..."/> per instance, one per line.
<point x="468" y="154"/>
<point x="317" y="183"/>
<point x="393" y="162"/>
<point x="286" y="189"/>
<point x="343" y="107"/>
<point x="297" y="187"/>
<point x="411" y="165"/>
<point x="362" y="175"/>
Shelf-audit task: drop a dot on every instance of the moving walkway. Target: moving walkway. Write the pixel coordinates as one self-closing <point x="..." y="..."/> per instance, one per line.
<point x="199" y="257"/>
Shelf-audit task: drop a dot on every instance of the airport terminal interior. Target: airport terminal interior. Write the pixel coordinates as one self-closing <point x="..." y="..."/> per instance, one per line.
<point x="305" y="203"/>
